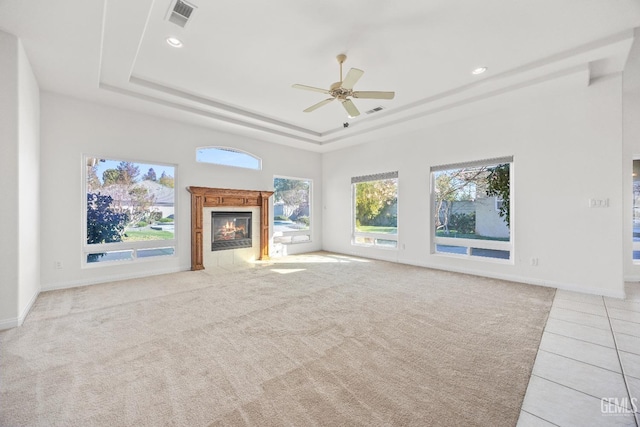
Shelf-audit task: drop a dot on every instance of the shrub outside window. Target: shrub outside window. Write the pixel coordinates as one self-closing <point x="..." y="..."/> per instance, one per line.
<point x="129" y="210"/>
<point x="291" y="210"/>
<point x="472" y="209"/>
<point x="375" y="208"/>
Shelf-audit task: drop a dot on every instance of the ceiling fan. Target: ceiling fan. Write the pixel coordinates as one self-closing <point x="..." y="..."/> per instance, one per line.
<point x="343" y="91"/>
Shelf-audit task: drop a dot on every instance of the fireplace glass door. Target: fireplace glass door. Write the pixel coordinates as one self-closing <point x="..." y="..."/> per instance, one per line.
<point x="230" y="230"/>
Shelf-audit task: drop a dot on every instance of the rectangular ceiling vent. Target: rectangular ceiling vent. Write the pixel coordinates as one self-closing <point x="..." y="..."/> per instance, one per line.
<point x="181" y="13"/>
<point x="374" y="110"/>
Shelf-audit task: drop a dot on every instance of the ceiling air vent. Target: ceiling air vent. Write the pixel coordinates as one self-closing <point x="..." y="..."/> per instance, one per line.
<point x="181" y="13"/>
<point x="374" y="110"/>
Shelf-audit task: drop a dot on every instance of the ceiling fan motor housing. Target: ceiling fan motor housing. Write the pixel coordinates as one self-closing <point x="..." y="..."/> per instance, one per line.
<point x="343" y="90"/>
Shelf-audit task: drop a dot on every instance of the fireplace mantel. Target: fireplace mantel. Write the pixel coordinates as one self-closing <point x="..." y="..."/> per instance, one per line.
<point x="205" y="197"/>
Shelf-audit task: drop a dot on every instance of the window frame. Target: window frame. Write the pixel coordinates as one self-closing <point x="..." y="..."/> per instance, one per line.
<point x="306" y="232"/>
<point x="635" y="246"/>
<point x="134" y="246"/>
<point x="375" y="236"/>
<point x="229" y="149"/>
<point x="471" y="244"/>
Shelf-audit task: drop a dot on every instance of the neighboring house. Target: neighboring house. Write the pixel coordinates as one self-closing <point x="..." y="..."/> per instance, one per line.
<point x="280" y="209"/>
<point x="489" y="223"/>
<point x="162" y="197"/>
<point x="488" y="220"/>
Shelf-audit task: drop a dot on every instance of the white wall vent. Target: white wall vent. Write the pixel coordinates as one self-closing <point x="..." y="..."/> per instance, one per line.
<point x="374" y="110"/>
<point x="181" y="13"/>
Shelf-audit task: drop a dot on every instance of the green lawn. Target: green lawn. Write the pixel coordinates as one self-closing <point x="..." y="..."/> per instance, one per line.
<point x="455" y="234"/>
<point x="376" y="229"/>
<point x="137" y="235"/>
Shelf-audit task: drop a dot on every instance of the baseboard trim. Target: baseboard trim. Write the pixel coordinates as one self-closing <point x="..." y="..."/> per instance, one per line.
<point x="106" y="279"/>
<point x="512" y="278"/>
<point x="8" y="323"/>
<point x="632" y="278"/>
<point x="592" y="291"/>
<point x="527" y="280"/>
<point x="18" y="321"/>
<point x="27" y="309"/>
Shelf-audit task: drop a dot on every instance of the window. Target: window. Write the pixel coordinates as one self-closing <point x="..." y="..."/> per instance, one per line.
<point x="636" y="211"/>
<point x="228" y="157"/>
<point x="291" y="210"/>
<point x="129" y="209"/>
<point x="375" y="207"/>
<point x="472" y="210"/>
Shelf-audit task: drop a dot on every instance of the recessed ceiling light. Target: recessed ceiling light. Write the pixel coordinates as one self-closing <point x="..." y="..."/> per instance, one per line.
<point x="479" y="70"/>
<point x="174" y="42"/>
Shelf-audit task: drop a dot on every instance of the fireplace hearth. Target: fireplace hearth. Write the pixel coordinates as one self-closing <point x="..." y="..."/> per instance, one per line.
<point x="230" y="230"/>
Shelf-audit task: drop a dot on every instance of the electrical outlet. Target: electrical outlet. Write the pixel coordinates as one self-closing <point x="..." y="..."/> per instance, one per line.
<point x="57" y="265"/>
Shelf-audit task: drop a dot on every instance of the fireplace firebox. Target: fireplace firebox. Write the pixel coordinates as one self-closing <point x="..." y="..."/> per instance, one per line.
<point x="230" y="230"/>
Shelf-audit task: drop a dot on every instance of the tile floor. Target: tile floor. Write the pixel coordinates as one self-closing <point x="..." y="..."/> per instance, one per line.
<point x="587" y="372"/>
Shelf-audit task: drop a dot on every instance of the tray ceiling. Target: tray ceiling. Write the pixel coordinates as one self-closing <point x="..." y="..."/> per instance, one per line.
<point x="239" y="59"/>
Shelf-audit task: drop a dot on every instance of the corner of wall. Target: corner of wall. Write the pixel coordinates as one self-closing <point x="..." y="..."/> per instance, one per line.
<point x="28" y="181"/>
<point x="18" y="321"/>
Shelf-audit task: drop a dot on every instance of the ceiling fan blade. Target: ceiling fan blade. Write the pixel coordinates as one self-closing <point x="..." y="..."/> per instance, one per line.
<point x="350" y="107"/>
<point x="351" y="78"/>
<point x="318" y="105"/>
<point x="374" y="95"/>
<point x="311" y="88"/>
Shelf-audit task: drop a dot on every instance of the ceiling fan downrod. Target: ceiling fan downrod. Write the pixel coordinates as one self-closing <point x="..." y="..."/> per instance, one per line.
<point x="341" y="58"/>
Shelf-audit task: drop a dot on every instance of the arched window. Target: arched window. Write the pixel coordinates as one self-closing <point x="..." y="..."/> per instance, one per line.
<point x="228" y="157"/>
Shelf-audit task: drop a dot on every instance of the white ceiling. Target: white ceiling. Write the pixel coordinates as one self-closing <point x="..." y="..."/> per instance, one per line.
<point x="240" y="58"/>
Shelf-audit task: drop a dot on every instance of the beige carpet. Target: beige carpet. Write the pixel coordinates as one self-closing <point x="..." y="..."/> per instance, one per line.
<point x="319" y="339"/>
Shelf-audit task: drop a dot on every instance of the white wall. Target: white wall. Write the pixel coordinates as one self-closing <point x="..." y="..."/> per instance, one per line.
<point x="631" y="115"/>
<point x="28" y="185"/>
<point x="19" y="185"/>
<point x="567" y="148"/>
<point x="9" y="180"/>
<point x="72" y="128"/>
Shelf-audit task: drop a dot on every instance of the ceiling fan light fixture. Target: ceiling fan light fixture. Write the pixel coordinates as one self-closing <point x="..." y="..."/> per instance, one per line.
<point x="174" y="42"/>
<point x="479" y="70"/>
<point x="343" y="91"/>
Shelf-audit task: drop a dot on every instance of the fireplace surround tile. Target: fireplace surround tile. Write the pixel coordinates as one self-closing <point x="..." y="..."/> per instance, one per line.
<point x="230" y="256"/>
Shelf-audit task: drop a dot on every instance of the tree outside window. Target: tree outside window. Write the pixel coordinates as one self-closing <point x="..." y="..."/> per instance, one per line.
<point x="472" y="203"/>
<point x="375" y="201"/>
<point x="125" y="205"/>
<point x="291" y="210"/>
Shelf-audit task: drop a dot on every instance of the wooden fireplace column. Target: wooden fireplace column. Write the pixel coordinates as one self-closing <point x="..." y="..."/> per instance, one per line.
<point x="205" y="197"/>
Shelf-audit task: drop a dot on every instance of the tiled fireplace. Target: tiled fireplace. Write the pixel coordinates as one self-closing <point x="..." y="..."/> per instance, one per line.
<point x="228" y="226"/>
<point x="221" y="244"/>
